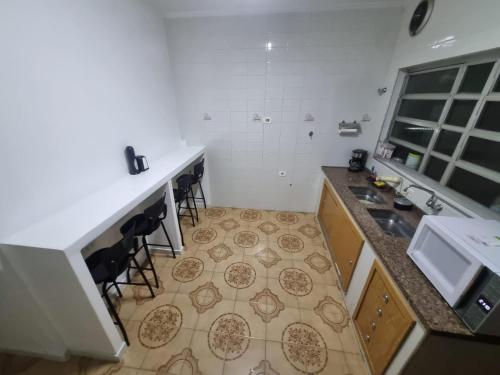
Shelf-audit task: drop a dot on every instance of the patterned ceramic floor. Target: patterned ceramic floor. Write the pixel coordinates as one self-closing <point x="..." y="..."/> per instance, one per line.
<point x="254" y="293"/>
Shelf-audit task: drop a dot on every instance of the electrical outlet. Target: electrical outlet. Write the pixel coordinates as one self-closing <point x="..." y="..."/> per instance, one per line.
<point x="282" y="173"/>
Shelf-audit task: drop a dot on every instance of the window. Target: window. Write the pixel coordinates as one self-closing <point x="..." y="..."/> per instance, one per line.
<point x="451" y="117"/>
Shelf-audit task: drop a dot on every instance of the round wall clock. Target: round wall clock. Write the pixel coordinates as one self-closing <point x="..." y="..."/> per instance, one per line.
<point x="420" y="16"/>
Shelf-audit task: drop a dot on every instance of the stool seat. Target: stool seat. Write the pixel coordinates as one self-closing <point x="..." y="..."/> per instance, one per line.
<point x="143" y="225"/>
<point x="100" y="273"/>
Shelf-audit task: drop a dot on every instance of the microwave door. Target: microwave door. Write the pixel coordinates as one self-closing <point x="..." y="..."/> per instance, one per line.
<point x="445" y="260"/>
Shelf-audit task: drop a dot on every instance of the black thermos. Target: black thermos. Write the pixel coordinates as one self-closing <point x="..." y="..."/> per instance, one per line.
<point x="131" y="160"/>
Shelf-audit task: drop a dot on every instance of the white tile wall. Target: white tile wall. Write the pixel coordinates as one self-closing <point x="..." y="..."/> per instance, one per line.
<point x="327" y="64"/>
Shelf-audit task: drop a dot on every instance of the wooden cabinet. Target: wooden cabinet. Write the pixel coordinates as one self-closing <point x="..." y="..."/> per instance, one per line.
<point x="344" y="238"/>
<point x="382" y="318"/>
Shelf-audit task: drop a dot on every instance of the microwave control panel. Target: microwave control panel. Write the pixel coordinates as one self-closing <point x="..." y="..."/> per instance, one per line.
<point x="482" y="300"/>
<point x="484" y="304"/>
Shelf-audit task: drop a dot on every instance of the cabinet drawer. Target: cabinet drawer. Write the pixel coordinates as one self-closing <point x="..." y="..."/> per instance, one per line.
<point x="382" y="318"/>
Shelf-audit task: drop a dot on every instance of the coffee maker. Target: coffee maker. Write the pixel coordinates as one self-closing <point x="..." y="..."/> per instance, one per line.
<point x="358" y="160"/>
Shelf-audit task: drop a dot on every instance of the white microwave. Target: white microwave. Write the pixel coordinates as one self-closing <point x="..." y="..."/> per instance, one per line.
<point x="465" y="271"/>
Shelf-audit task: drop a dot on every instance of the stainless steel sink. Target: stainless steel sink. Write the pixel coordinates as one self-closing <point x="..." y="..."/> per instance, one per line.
<point x="366" y="195"/>
<point x="391" y="223"/>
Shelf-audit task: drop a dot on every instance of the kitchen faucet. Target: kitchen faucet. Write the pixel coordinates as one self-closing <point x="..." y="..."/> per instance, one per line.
<point x="432" y="202"/>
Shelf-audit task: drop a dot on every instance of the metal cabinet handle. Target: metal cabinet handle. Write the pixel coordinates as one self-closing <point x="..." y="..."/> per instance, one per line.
<point x="379" y="311"/>
<point x="386" y="299"/>
<point x="368" y="338"/>
<point x="373" y="325"/>
<point x="351" y="262"/>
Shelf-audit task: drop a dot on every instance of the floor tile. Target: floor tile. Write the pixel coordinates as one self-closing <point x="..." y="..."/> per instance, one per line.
<point x="169" y="283"/>
<point x="357" y="364"/>
<point x="331" y="337"/>
<point x="260" y="269"/>
<point x="144" y="309"/>
<point x="257" y="326"/>
<point x="189" y="314"/>
<point x="246" y="295"/>
<point x="251" y="358"/>
<point x="288" y="299"/>
<point x="278" y="361"/>
<point x="159" y="356"/>
<point x="136" y="352"/>
<point x="189" y="286"/>
<point x="275" y="328"/>
<point x="97" y="367"/>
<point x="273" y="272"/>
<point x="208" y="363"/>
<point x="206" y="319"/>
<point x="319" y="292"/>
<point x="349" y="339"/>
<point x="336" y="363"/>
<point x="225" y="290"/>
<point x="145" y="372"/>
<point x="161" y="258"/>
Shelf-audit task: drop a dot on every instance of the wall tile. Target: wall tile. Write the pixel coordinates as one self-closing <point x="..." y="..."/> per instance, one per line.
<point x="328" y="64"/>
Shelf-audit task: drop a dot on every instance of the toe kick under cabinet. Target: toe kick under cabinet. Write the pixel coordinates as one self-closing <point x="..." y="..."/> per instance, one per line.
<point x="344" y="238"/>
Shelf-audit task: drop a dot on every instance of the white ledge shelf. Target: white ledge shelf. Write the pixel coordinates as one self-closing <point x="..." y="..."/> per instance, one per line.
<point x="75" y="226"/>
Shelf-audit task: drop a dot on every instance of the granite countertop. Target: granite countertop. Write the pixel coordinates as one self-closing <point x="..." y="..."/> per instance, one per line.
<point x="431" y="309"/>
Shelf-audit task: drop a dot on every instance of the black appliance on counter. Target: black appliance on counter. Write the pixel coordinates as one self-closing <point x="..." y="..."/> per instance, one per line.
<point x="136" y="163"/>
<point x="358" y="160"/>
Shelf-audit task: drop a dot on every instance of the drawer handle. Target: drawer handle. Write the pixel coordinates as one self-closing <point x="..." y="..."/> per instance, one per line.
<point x="351" y="262"/>
<point x="379" y="312"/>
<point x="373" y="325"/>
<point x="386" y="299"/>
<point x="368" y="338"/>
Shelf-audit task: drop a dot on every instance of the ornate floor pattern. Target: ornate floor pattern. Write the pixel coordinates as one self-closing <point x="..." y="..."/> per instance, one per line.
<point x="254" y="292"/>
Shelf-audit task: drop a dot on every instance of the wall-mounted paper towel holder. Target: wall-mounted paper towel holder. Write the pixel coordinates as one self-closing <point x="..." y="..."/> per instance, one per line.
<point x="349" y="128"/>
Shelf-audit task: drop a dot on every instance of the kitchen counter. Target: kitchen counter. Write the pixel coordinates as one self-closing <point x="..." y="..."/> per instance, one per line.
<point x="431" y="309"/>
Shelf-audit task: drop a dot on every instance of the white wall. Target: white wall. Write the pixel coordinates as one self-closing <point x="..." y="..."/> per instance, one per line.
<point x="80" y="80"/>
<point x="23" y="324"/>
<point x="456" y="28"/>
<point x="328" y="64"/>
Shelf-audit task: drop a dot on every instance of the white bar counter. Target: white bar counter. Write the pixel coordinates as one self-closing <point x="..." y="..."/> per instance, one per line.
<point x="46" y="256"/>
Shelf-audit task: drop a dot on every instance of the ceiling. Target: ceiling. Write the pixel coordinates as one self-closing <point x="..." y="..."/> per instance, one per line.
<point x="200" y="8"/>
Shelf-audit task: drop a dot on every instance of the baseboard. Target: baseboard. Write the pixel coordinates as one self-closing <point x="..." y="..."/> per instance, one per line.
<point x="106" y="357"/>
<point x="26" y="353"/>
<point x="167" y="250"/>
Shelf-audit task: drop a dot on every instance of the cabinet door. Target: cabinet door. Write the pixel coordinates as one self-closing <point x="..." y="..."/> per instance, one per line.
<point x="327" y="212"/>
<point x="383" y="319"/>
<point x="343" y="238"/>
<point x="347" y="246"/>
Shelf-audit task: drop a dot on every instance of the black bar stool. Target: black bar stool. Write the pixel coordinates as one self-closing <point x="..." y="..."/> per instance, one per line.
<point x="145" y="224"/>
<point x="106" y="265"/>
<point x="181" y="195"/>
<point x="196" y="177"/>
<point x="198" y="171"/>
